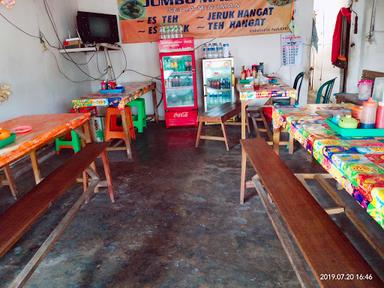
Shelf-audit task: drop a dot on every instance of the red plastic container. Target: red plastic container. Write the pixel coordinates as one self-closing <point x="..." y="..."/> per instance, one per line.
<point x="380" y="116"/>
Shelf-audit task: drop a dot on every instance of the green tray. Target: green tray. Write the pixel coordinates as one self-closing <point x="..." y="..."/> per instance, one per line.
<point x="245" y="81"/>
<point x="354" y="132"/>
<point x="8" y="140"/>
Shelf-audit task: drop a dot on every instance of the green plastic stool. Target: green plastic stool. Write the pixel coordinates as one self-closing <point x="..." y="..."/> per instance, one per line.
<point x="74" y="143"/>
<point x="139" y="120"/>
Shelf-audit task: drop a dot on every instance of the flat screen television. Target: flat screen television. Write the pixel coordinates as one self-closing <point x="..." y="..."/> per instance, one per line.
<point x="97" y="28"/>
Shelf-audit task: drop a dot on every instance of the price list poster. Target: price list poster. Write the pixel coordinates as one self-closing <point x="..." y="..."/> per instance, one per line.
<point x="140" y="20"/>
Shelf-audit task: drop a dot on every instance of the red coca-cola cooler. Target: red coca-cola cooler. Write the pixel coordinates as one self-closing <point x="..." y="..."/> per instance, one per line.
<point x="178" y="75"/>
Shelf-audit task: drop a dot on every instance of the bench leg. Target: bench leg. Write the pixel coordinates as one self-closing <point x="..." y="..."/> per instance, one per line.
<point x="225" y="135"/>
<point x="107" y="171"/>
<point x="276" y="140"/>
<point x="198" y="134"/>
<point x="255" y="127"/>
<point x="85" y="181"/>
<point x="10" y="180"/>
<point x="291" y="144"/>
<point x="269" y="134"/>
<point x="248" y="126"/>
<point x="86" y="139"/>
<point x="243" y="175"/>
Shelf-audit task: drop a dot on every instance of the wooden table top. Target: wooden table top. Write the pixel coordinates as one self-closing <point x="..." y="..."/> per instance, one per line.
<point x="132" y="91"/>
<point x="45" y="128"/>
<point x="281" y="90"/>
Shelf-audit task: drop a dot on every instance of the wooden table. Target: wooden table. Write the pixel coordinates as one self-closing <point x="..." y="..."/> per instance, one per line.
<point x="355" y="163"/>
<point x="348" y="98"/>
<point x="259" y="96"/>
<point x="45" y="128"/>
<point x="133" y="90"/>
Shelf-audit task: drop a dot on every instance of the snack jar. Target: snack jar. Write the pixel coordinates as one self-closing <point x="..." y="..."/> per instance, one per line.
<point x="365" y="89"/>
<point x="368" y="115"/>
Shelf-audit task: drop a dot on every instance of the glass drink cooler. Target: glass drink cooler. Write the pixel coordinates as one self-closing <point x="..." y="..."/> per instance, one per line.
<point x="178" y="76"/>
<point x="218" y="81"/>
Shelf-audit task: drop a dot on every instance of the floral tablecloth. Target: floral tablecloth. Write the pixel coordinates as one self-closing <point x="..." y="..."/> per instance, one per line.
<point x="132" y="91"/>
<point x="248" y="92"/>
<point x="356" y="163"/>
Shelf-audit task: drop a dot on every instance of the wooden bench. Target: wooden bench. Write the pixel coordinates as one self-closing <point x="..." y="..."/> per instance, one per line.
<point x="19" y="218"/>
<point x="219" y="114"/>
<point x="327" y="251"/>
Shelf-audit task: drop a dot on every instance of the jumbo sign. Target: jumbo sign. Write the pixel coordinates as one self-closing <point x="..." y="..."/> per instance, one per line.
<point x="140" y="19"/>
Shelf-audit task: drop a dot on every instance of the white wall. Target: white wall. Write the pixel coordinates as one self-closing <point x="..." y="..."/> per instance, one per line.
<point x="326" y="14"/>
<point x="37" y="85"/>
<point x="246" y="50"/>
<point x="365" y="55"/>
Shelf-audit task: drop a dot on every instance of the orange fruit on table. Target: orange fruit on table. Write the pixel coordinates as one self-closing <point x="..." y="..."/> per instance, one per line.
<point x="4" y="134"/>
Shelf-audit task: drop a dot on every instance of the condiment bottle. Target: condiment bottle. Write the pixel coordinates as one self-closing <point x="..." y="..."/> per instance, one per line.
<point x="356" y="112"/>
<point x="380" y="116"/>
<point x="368" y="115"/>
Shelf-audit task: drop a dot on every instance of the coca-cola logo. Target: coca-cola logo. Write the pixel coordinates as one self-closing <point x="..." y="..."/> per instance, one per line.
<point x="180" y="115"/>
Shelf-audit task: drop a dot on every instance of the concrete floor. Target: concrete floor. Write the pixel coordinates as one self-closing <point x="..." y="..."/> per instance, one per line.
<point x="176" y="223"/>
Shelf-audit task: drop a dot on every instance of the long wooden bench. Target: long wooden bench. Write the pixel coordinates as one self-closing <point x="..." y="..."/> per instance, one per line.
<point x="19" y="218"/>
<point x="220" y="115"/>
<point x="334" y="261"/>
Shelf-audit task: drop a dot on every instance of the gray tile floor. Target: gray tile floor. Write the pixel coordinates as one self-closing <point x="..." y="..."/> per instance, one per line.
<point x="176" y="223"/>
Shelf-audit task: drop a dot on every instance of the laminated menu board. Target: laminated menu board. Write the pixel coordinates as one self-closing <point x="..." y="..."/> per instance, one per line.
<point x="140" y="20"/>
<point x="291" y="49"/>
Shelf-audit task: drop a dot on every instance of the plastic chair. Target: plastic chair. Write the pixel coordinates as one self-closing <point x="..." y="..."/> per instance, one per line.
<point x="296" y="85"/>
<point x="73" y="142"/>
<point x="140" y="119"/>
<point x="113" y="124"/>
<point x="325" y="92"/>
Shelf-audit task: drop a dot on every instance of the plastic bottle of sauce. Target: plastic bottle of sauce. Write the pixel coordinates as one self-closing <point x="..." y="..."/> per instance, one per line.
<point x="380" y="116"/>
<point x="368" y="115"/>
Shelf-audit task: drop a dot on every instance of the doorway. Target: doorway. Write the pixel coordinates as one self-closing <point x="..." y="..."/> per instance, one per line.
<point x="325" y="14"/>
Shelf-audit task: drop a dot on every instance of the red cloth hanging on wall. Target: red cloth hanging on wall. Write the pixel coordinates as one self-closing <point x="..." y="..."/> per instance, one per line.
<point x="337" y="35"/>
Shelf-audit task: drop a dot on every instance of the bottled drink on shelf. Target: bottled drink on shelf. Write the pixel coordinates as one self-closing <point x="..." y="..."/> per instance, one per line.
<point x="205" y="51"/>
<point x="214" y="50"/>
<point x="226" y="52"/>
<point x="209" y="51"/>
<point x="220" y="51"/>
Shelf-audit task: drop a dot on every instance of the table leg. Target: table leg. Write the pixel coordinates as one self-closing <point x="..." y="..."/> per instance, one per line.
<point x="127" y="137"/>
<point x="87" y="132"/>
<point x="154" y="100"/>
<point x="243" y="120"/>
<point x="276" y="140"/>
<point x="35" y="167"/>
<point x="10" y="180"/>
<point x="88" y="139"/>
<point x="243" y="175"/>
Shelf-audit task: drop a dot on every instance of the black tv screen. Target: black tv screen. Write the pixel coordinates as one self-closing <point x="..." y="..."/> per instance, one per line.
<point x="97" y="28"/>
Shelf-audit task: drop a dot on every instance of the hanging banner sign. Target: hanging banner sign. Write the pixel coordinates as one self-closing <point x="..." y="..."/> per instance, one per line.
<point x="140" y="19"/>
